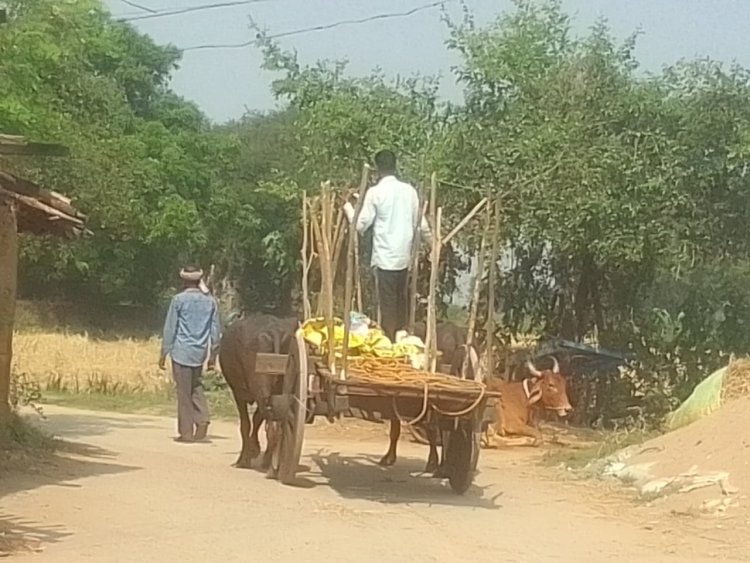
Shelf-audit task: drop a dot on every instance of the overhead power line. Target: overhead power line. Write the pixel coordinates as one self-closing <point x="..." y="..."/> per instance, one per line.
<point x="376" y="17"/>
<point x="139" y="6"/>
<point x="199" y="8"/>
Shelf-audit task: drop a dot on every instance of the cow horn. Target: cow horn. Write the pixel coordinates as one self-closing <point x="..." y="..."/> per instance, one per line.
<point x="532" y="369"/>
<point x="555" y="365"/>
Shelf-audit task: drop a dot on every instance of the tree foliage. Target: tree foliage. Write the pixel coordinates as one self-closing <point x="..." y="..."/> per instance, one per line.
<point x="624" y="196"/>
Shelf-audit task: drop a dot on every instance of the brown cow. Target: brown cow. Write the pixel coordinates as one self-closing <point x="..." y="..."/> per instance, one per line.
<point x="240" y="345"/>
<point x="520" y="399"/>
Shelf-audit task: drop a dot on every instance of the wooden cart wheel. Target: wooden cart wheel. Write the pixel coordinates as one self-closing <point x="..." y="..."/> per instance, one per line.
<point x="292" y="428"/>
<point x="461" y="458"/>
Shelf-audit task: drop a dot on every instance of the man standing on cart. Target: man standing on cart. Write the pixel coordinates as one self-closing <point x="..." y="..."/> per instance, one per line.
<point x="391" y="207"/>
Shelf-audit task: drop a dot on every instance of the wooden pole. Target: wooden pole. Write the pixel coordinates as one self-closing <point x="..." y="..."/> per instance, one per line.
<point x="476" y="289"/>
<point x="431" y="336"/>
<point x="492" y="265"/>
<point x="306" y="306"/>
<point x="317" y="236"/>
<point x="357" y="276"/>
<point x="338" y="241"/>
<point x="415" y="248"/>
<point x="326" y="284"/>
<point x="477" y="208"/>
<point x="8" y="285"/>
<point x="348" y="282"/>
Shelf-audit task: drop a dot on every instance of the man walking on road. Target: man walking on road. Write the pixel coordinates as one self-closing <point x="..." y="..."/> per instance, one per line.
<point x="191" y="334"/>
<point x="391" y="207"/>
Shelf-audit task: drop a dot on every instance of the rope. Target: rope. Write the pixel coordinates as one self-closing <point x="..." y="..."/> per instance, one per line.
<point x="395" y="373"/>
<point x="467" y="410"/>
<point x="421" y="415"/>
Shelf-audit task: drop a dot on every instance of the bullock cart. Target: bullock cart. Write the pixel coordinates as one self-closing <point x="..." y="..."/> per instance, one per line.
<point x="315" y="383"/>
<point x="375" y="390"/>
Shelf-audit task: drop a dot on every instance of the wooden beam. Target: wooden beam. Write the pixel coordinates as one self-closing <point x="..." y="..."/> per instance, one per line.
<point x="270" y="364"/>
<point x="8" y="281"/>
<point x="52" y="199"/>
<point x="462" y="223"/>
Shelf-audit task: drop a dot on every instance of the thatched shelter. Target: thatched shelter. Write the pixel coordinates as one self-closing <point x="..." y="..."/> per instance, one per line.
<point x="25" y="208"/>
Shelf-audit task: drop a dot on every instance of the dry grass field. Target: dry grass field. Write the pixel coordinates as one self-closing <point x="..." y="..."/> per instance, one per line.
<point x="75" y="363"/>
<point x="100" y="360"/>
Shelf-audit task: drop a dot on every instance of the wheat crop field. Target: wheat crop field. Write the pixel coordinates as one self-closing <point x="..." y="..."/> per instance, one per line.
<point x="107" y="372"/>
<point x="75" y="363"/>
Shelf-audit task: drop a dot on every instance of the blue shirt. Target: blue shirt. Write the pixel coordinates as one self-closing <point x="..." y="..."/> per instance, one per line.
<point x="192" y="326"/>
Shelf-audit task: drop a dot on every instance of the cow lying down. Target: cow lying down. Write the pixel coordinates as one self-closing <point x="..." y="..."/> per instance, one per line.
<point x="516" y="422"/>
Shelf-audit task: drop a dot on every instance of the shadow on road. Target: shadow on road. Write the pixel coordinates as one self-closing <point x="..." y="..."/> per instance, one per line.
<point x="79" y="425"/>
<point x="23" y="471"/>
<point x="19" y="535"/>
<point x="360" y="477"/>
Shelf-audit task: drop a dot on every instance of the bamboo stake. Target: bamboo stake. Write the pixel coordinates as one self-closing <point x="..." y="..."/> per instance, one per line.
<point x="357" y="276"/>
<point x="318" y="240"/>
<point x="431" y="332"/>
<point x="492" y="265"/>
<point x="326" y="289"/>
<point x="476" y="289"/>
<point x="312" y="244"/>
<point x="415" y="248"/>
<point x="338" y="242"/>
<point x="305" y="269"/>
<point x="477" y="208"/>
<point x="434" y="273"/>
<point x="350" y="266"/>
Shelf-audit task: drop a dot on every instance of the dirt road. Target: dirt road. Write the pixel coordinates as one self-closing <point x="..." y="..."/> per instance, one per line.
<point x="128" y="493"/>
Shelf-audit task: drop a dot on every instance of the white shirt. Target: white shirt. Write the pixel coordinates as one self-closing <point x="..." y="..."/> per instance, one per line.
<point x="391" y="207"/>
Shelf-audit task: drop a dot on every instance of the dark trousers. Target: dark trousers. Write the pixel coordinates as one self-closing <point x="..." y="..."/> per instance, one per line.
<point x="393" y="291"/>
<point x="192" y="409"/>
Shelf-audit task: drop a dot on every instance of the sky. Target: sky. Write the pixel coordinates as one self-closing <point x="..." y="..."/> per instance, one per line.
<point x="226" y="83"/>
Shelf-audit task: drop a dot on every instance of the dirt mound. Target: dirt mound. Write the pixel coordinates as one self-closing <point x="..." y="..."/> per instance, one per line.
<point x="703" y="467"/>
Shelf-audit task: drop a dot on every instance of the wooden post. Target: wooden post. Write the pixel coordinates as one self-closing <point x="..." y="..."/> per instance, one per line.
<point x="8" y="284"/>
<point x="306" y="306"/>
<point x="316" y="232"/>
<point x="431" y="336"/>
<point x="348" y="282"/>
<point x="338" y="240"/>
<point x="475" y="292"/>
<point x="326" y="275"/>
<point x="492" y="265"/>
<point x="357" y="277"/>
<point x="414" y="266"/>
